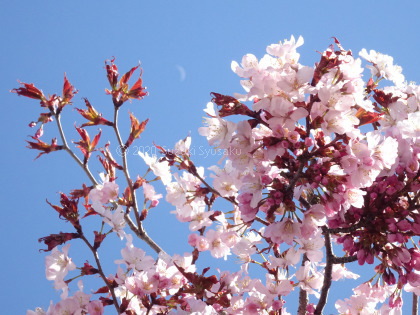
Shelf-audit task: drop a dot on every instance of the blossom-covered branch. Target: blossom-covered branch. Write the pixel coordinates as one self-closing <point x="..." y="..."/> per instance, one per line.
<point x="317" y="159"/>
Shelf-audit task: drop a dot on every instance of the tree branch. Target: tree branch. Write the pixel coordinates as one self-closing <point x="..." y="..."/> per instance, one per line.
<point x="327" y="273"/>
<point x="303" y="295"/>
<point x="343" y="260"/>
<point x="70" y="151"/>
<point x="139" y="230"/>
<point x="101" y="273"/>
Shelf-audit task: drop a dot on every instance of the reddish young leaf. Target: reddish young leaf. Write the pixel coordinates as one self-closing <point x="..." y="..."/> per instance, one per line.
<point x="89" y="210"/>
<point x="367" y="117"/>
<point x="111" y="73"/>
<point x="86" y="145"/>
<point x="68" y="92"/>
<point x="109" y="168"/>
<point x="29" y="90"/>
<point x="103" y="289"/>
<point x="230" y="105"/>
<point x="54" y="240"/>
<point x="88" y="269"/>
<point x="99" y="237"/>
<point x="44" y="147"/>
<point x="83" y="192"/>
<point x="127" y="199"/>
<point x="139" y="182"/>
<point x="120" y="90"/>
<point x="69" y="210"/>
<point x="137" y="91"/>
<point x="136" y="129"/>
<point x="124" y="79"/>
<point x="384" y="99"/>
<point x="93" y="116"/>
<point x="107" y="153"/>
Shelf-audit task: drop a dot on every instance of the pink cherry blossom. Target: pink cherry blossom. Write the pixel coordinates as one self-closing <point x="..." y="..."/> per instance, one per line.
<point x="159" y="168"/>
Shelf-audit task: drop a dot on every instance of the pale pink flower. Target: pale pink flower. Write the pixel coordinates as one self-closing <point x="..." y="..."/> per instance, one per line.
<point x="383" y="65"/>
<point x="218" y="131"/>
<point x="252" y="186"/>
<point x="198" y="307"/>
<point x="313" y="219"/>
<point x="182" y="192"/>
<point x="249" y="66"/>
<point x="384" y="150"/>
<point x="410" y="127"/>
<point x="37" y="311"/>
<point x="340" y="122"/>
<point x="309" y="279"/>
<point x="312" y="247"/>
<point x="198" y="241"/>
<point x="286" y="51"/>
<point x="95" y="308"/>
<point x="246" y="246"/>
<point x="133" y="257"/>
<point x="290" y="257"/>
<point x="226" y="180"/>
<point x="159" y="168"/>
<point x="284" y="231"/>
<point x="285" y="114"/>
<point x="144" y="282"/>
<point x="356" y="304"/>
<point x="279" y="286"/>
<point x="149" y="192"/>
<point x="116" y="220"/>
<point x="388" y="310"/>
<point x="183" y="146"/>
<point x="200" y="219"/>
<point x="230" y="238"/>
<point x="58" y="264"/>
<point x="67" y="306"/>
<point x="185" y="262"/>
<point x="332" y="97"/>
<point x="104" y="193"/>
<point x="217" y="247"/>
<point x="354" y="197"/>
<point x="340" y="272"/>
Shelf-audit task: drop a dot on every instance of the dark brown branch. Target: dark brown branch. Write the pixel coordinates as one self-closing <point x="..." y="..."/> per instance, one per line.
<point x="343" y="260"/>
<point x="349" y="229"/>
<point x="327" y="273"/>
<point x="303" y="295"/>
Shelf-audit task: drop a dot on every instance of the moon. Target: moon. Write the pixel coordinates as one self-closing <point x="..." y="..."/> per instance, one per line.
<point x="182" y="73"/>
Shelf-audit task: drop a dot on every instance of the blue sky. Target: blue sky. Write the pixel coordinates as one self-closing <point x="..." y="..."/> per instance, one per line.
<point x="42" y="40"/>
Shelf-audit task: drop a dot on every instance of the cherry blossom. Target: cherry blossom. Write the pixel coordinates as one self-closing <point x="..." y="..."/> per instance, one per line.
<point x="320" y="168"/>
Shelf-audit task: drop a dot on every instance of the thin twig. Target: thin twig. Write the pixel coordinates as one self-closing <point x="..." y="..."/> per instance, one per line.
<point x="101" y="273"/>
<point x="139" y="230"/>
<point x="415" y="305"/>
<point x="70" y="151"/>
<point x="141" y="233"/>
<point x="214" y="191"/>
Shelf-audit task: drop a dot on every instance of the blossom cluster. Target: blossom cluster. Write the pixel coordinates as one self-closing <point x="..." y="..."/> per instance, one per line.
<point x="323" y="160"/>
